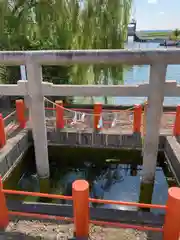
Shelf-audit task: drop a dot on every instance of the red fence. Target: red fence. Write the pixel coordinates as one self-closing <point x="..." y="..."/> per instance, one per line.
<point x="19" y="119"/>
<point x="137" y="111"/>
<point x="81" y="200"/>
<point x="138" y="120"/>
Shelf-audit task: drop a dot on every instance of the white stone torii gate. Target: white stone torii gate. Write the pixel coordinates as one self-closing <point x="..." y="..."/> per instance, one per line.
<point x="35" y="90"/>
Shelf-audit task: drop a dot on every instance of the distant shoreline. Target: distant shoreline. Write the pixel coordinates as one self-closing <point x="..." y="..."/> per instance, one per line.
<point x="158" y="30"/>
<point x="157" y="35"/>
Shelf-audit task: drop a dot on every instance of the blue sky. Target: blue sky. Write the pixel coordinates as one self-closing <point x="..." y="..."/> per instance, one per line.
<point x="157" y="14"/>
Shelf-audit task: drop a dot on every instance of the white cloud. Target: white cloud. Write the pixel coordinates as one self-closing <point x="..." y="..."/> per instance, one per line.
<point x="152" y="1"/>
<point x="161" y="13"/>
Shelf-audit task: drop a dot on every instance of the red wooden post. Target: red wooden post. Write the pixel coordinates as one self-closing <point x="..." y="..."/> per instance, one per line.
<point x="137" y="118"/>
<point x="20" y="113"/>
<point x="176" y="129"/>
<point x="97" y="115"/>
<point x="172" y="218"/>
<point x="4" y="218"/>
<point x="80" y="193"/>
<point x="59" y="114"/>
<point x="2" y="132"/>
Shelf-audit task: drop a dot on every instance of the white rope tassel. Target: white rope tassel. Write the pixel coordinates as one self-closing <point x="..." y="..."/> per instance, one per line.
<point x="83" y="118"/>
<point x="131" y="117"/>
<point x="74" y="121"/>
<point x="79" y="122"/>
<point x="100" y="124"/>
<point x="114" y="120"/>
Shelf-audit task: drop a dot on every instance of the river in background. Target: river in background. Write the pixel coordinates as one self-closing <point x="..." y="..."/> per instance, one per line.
<point x="139" y="74"/>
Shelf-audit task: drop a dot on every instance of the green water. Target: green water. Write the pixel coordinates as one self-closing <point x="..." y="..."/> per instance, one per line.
<point x="112" y="174"/>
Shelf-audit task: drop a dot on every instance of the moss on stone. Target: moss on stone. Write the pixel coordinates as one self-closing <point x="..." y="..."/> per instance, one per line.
<point x="44" y="184"/>
<point x="97" y="155"/>
<point x="146" y="192"/>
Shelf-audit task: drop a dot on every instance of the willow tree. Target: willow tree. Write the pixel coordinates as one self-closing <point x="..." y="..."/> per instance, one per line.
<point x="106" y="29"/>
<point x="65" y="24"/>
<point x="32" y="25"/>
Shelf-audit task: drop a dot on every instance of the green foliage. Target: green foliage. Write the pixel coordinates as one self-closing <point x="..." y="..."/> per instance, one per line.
<point x="176" y="32"/>
<point x="65" y="24"/>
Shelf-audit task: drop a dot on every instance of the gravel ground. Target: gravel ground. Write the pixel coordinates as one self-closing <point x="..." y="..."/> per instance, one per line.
<point x="27" y="229"/>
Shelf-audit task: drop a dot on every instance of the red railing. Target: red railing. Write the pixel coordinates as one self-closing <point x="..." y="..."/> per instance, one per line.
<point x="81" y="200"/>
<point x="10" y="123"/>
<point x="138" y="124"/>
<point x="138" y="121"/>
<point x="18" y="121"/>
<point x="83" y="110"/>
